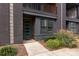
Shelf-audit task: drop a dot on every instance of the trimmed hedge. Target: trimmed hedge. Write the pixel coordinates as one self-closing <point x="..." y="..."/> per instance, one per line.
<point x="8" y="51"/>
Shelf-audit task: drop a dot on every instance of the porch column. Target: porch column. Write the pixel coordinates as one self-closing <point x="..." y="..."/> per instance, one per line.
<point x="37" y="28"/>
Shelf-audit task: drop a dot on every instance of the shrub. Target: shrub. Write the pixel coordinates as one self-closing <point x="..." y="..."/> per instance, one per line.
<point x="50" y="38"/>
<point x="62" y="38"/>
<point x="66" y="37"/>
<point x="7" y="51"/>
<point x="53" y="43"/>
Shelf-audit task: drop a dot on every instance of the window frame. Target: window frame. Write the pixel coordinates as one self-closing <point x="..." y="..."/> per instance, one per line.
<point x="73" y="27"/>
<point x="46" y="26"/>
<point x="72" y="8"/>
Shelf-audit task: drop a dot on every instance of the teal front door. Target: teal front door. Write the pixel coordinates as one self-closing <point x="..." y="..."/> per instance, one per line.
<point x="28" y="28"/>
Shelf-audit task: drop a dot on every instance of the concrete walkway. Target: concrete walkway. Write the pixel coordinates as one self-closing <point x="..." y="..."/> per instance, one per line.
<point x="62" y="52"/>
<point x="36" y="49"/>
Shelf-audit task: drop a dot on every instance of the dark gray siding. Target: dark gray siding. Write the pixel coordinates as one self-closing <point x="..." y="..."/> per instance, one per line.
<point x="18" y="23"/>
<point x="71" y="19"/>
<point x="4" y="23"/>
<point x="58" y="22"/>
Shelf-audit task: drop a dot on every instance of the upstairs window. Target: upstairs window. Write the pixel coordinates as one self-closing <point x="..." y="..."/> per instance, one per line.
<point x="71" y="10"/>
<point x="44" y="7"/>
<point x="72" y="13"/>
<point x="35" y="6"/>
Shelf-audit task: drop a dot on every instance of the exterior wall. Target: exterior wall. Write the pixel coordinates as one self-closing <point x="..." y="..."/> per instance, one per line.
<point x="61" y="16"/>
<point x="78" y="17"/>
<point x="53" y="8"/>
<point x="78" y="11"/>
<point x="37" y="28"/>
<point x="18" y="23"/>
<point x="4" y="23"/>
<point x="58" y="21"/>
<point x="64" y="15"/>
<point x="69" y="19"/>
<point x="39" y="15"/>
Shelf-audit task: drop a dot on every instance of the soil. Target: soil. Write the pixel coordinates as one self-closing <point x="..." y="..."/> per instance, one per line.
<point x="21" y="51"/>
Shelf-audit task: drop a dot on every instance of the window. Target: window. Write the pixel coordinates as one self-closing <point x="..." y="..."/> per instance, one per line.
<point x="35" y="6"/>
<point x="72" y="26"/>
<point x="43" y="26"/>
<point x="72" y="12"/>
<point x="50" y="25"/>
<point x="46" y="25"/>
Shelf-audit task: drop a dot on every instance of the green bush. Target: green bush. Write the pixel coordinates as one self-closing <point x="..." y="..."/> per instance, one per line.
<point x="66" y="39"/>
<point x="50" y="38"/>
<point x="8" y="51"/>
<point x="62" y="38"/>
<point x="53" y="43"/>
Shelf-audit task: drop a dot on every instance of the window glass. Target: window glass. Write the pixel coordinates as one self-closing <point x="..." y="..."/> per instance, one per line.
<point x="50" y="25"/>
<point x="72" y="13"/>
<point x="72" y="26"/>
<point x="46" y="25"/>
<point x="43" y="26"/>
<point x="35" y="6"/>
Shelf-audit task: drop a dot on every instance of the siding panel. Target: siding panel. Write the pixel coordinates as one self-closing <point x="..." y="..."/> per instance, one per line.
<point x="4" y="23"/>
<point x="18" y="23"/>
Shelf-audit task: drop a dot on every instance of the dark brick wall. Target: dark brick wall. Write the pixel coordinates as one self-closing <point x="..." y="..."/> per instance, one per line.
<point x="18" y="23"/>
<point x="4" y="23"/>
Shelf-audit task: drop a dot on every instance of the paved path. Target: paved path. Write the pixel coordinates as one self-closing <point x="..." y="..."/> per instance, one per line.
<point x="36" y="49"/>
<point x="62" y="52"/>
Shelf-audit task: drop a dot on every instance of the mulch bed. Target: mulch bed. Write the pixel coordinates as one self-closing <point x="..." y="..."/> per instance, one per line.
<point x="21" y="51"/>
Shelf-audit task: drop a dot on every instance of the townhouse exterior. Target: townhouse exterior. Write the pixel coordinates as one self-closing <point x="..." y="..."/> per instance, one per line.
<point x="24" y="21"/>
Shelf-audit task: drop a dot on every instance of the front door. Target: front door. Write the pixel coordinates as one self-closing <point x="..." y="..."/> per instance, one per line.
<point x="28" y="26"/>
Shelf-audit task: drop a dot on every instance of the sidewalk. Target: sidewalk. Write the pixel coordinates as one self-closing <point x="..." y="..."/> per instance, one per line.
<point x="36" y="49"/>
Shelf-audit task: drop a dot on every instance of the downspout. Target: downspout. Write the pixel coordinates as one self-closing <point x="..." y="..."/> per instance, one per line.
<point x="62" y="20"/>
<point x="61" y="16"/>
